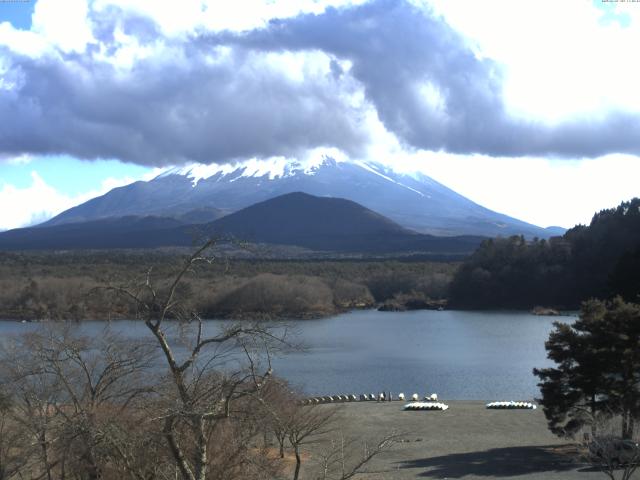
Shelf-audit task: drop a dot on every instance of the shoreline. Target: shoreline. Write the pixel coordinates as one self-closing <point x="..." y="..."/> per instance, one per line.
<point x="300" y="317"/>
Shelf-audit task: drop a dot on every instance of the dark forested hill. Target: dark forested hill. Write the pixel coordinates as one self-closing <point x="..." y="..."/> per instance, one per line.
<point x="123" y="232"/>
<point x="599" y="260"/>
<point x="295" y="219"/>
<point x="331" y="224"/>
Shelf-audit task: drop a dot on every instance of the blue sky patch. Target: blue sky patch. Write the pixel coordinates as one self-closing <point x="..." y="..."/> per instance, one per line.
<point x="610" y="15"/>
<point x="17" y="13"/>
<point x="66" y="174"/>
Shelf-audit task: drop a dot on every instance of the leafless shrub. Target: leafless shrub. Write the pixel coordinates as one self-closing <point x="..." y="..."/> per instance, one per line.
<point x="344" y="458"/>
<point x="67" y="391"/>
<point x="14" y="441"/>
<point x="616" y="457"/>
<point x="305" y="426"/>
<point x="279" y="295"/>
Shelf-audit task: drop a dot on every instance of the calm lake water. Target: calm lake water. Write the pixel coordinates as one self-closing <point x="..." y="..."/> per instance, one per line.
<point x="458" y="355"/>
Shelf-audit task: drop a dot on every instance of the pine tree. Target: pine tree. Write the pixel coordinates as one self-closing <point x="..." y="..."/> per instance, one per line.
<point x="597" y="371"/>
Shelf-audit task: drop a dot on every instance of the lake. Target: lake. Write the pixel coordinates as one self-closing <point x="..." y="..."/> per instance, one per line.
<point x="458" y="355"/>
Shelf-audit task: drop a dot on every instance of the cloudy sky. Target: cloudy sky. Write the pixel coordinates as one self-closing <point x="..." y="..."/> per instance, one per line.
<point x="528" y="107"/>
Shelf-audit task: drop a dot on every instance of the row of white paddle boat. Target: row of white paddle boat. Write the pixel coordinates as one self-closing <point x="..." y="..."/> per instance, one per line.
<point x="364" y="397"/>
<point x="430" y="402"/>
<point x="426" y="406"/>
<point x="511" y="405"/>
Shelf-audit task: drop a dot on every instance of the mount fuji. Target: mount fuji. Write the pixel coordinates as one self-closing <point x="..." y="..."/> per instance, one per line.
<point x="203" y="193"/>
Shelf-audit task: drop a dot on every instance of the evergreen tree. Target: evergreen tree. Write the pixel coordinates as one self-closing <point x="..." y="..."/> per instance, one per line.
<point x="617" y="329"/>
<point x="597" y="371"/>
<point x="574" y="392"/>
<point x="600" y="260"/>
<point x="625" y="277"/>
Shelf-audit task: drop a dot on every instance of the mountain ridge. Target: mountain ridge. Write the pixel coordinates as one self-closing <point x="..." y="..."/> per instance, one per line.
<point x="295" y="219"/>
<point x="414" y="201"/>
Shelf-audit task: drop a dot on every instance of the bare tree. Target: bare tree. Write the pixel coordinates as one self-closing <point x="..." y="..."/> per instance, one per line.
<point x="13" y="441"/>
<point x="344" y="459"/>
<point x="99" y="378"/>
<point x="279" y="406"/>
<point x="208" y="373"/>
<point x="34" y="396"/>
<point x="69" y="392"/>
<point x="306" y="425"/>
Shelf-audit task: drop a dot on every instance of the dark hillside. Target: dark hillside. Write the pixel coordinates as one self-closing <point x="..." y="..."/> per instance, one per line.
<point x="296" y="219"/>
<point x="332" y="224"/>
<point x="124" y="232"/>
<point x="588" y="261"/>
<point x="299" y="215"/>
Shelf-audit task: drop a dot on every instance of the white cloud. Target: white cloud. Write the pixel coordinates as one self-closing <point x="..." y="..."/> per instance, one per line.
<point x="542" y="191"/>
<point x="21" y="207"/>
<point x="537" y="190"/>
<point x="185" y="16"/>
<point x="23" y="159"/>
<point x="63" y="24"/>
<point x="560" y="58"/>
<point x="22" y="41"/>
<point x="55" y="25"/>
<point x="153" y="173"/>
<point x="126" y="50"/>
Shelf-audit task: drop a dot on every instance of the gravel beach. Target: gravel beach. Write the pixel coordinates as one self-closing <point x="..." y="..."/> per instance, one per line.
<point x="466" y="441"/>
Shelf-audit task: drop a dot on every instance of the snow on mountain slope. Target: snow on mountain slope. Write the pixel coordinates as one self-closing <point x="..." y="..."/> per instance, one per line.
<point x="414" y="201"/>
<point x="273" y="168"/>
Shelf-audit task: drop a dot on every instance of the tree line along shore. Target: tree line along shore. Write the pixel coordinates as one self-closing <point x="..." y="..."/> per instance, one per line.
<point x="65" y="286"/>
<point x="601" y="260"/>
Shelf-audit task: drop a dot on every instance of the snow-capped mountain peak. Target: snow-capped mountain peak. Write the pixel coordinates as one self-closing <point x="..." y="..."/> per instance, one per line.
<point x="380" y="170"/>
<point x="272" y="168"/>
<point x="414" y="201"/>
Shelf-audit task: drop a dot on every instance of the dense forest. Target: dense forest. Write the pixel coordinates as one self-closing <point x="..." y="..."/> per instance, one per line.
<point x="599" y="260"/>
<point x="63" y="286"/>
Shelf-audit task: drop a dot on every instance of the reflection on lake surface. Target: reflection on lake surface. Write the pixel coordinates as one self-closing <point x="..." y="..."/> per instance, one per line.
<point x="459" y="355"/>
